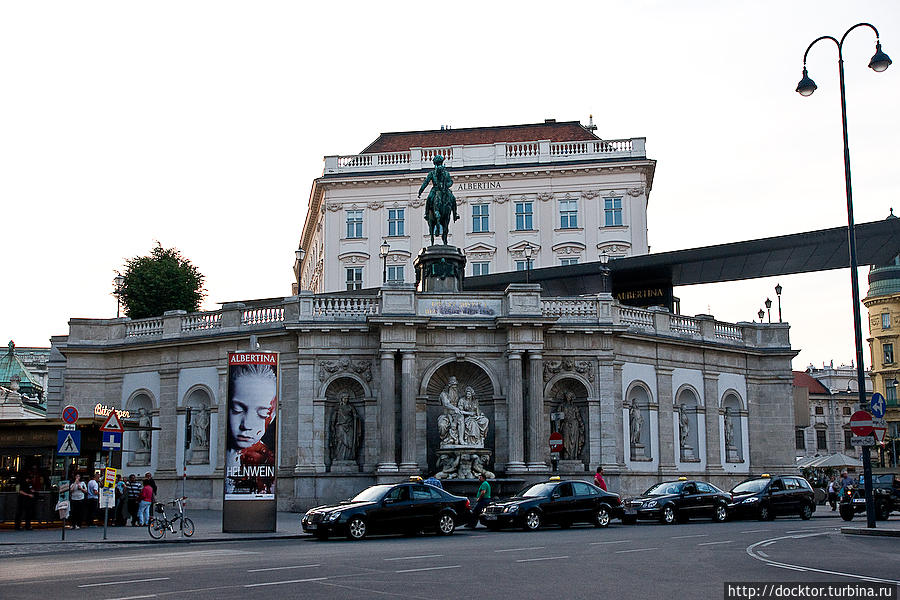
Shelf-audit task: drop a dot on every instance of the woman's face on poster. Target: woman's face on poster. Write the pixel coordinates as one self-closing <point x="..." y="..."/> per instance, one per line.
<point x="250" y="407"/>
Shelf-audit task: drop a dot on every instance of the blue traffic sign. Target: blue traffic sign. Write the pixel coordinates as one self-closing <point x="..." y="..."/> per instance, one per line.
<point x="112" y="440"/>
<point x="68" y="443"/>
<point x="878" y="405"/>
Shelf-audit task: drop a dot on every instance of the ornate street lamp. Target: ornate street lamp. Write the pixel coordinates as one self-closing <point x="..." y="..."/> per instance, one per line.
<point x="769" y="308"/>
<point x="528" y="252"/>
<point x="119" y="280"/>
<point x="879" y="62"/>
<point x="778" y="289"/>
<point x="383" y="253"/>
<point x="761" y="314"/>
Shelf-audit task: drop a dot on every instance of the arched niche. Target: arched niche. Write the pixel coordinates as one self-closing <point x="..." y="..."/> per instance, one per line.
<point x="689" y="420"/>
<point x="566" y="407"/>
<point x="344" y="422"/>
<point x="200" y="400"/>
<point x="141" y="404"/>
<point x="733" y="426"/>
<point x="637" y="401"/>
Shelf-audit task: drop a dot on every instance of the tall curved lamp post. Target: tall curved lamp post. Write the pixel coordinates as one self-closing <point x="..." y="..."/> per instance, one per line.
<point x="119" y="280"/>
<point x="879" y="62"/>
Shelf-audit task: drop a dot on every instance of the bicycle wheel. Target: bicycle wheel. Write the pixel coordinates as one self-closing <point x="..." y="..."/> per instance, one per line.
<point x="157" y="528"/>
<point x="187" y="527"/>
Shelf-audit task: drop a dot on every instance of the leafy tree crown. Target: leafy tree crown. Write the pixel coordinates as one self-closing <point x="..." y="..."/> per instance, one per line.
<point x="164" y="280"/>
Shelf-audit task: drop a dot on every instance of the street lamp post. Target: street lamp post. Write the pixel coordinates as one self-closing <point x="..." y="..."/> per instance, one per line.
<point x="761" y="314"/>
<point x="528" y="252"/>
<point x="119" y="281"/>
<point x="769" y="308"/>
<point x="778" y="289"/>
<point x="879" y="62"/>
<point x="383" y="253"/>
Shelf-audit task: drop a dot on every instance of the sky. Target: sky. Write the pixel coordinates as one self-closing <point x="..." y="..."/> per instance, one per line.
<point x="201" y="125"/>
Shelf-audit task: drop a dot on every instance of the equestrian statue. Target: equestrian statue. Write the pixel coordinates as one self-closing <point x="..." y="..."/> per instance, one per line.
<point x="441" y="202"/>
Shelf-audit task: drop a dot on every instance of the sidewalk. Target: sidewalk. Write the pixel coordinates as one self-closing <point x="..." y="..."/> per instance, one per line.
<point x="207" y="528"/>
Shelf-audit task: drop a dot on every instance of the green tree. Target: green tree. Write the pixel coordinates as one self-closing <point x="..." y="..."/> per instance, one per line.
<point x="164" y="280"/>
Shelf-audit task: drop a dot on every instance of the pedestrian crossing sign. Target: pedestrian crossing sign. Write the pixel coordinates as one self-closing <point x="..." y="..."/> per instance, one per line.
<point x="68" y="443"/>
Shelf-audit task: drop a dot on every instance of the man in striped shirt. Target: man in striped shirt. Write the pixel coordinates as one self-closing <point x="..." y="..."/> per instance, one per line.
<point x="133" y="491"/>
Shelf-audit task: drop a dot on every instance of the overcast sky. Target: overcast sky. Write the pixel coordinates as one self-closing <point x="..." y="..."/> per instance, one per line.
<point x="202" y="125"/>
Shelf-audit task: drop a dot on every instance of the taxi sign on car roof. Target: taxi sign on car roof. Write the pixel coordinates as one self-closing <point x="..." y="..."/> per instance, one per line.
<point x="682" y="479"/>
<point x="415" y="478"/>
<point x="555" y="478"/>
<point x="765" y="475"/>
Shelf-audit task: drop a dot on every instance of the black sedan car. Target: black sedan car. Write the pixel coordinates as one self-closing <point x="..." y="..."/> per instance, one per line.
<point x="766" y="496"/>
<point x="398" y="508"/>
<point x="673" y="501"/>
<point x="555" y="501"/>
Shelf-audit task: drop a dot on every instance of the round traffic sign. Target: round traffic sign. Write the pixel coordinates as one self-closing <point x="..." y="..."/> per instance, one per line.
<point x="878" y="405"/>
<point x="556" y="441"/>
<point x="70" y="414"/>
<point x="861" y="423"/>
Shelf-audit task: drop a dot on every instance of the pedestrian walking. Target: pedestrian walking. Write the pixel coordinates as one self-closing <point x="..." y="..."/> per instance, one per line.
<point x="435" y="482"/>
<point x="92" y="502"/>
<point x="120" y="517"/>
<point x="146" y="500"/>
<point x="598" y="479"/>
<point x="149" y="478"/>
<point x="25" y="499"/>
<point x="481" y="500"/>
<point x="77" y="492"/>
<point x="832" y="493"/>
<point x="133" y="490"/>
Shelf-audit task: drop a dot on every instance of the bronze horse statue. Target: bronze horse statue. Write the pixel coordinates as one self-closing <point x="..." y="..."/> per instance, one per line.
<point x="441" y="202"/>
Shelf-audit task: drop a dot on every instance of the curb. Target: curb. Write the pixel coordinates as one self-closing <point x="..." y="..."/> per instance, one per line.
<point x="873" y="532"/>
<point x="164" y="540"/>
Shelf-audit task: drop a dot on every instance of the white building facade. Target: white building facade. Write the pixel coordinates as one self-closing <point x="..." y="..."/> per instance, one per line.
<point x="554" y="186"/>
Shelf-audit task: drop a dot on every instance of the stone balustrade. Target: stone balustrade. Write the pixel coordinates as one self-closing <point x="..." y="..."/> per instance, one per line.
<point x="500" y="153"/>
<point x="520" y="301"/>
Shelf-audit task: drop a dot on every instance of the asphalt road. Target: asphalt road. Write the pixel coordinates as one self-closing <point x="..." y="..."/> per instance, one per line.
<point x="641" y="561"/>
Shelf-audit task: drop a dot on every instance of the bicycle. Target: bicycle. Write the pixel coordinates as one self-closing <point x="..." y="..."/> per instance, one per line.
<point x="160" y="524"/>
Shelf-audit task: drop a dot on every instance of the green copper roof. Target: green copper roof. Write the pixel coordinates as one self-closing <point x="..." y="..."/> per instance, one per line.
<point x="11" y="366"/>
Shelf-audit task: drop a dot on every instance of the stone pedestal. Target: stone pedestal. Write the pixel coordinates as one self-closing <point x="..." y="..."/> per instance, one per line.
<point x="731" y="455"/>
<point x="463" y="459"/>
<point x="344" y="466"/>
<point x="571" y="466"/>
<point x="440" y="269"/>
<point x="687" y="454"/>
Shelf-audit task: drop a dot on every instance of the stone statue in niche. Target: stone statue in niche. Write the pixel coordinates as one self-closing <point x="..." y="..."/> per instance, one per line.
<point x="571" y="426"/>
<point x="447" y="462"/>
<point x="200" y="428"/>
<point x="145" y="422"/>
<point x="636" y="423"/>
<point x="476" y="424"/>
<point x="684" y="432"/>
<point x="462" y="424"/>
<point x="346" y="431"/>
<point x="479" y="466"/>
<point x="731" y="451"/>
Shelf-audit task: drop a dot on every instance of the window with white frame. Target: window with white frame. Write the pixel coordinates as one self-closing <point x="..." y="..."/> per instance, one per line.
<point x="481" y="268"/>
<point x="395" y="273"/>
<point x="888" y="350"/>
<point x="522" y="265"/>
<point x="885" y="320"/>
<point x="354" y="278"/>
<point x="524" y="215"/>
<point x="568" y="261"/>
<point x="568" y="214"/>
<point x="612" y="210"/>
<point x="480" y="220"/>
<point x="354" y="223"/>
<point x="396" y="222"/>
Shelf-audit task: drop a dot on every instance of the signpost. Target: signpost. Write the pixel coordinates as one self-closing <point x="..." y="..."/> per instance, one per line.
<point x="68" y="443"/>
<point x="70" y="415"/>
<point x="861" y="423"/>
<point x="556" y="444"/>
<point x="112" y="440"/>
<point x="878" y="405"/>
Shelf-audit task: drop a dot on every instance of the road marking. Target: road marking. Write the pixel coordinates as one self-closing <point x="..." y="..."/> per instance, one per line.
<point x="684" y="537"/>
<point x="428" y="569"/>
<point x="753" y="552"/>
<point x="120" y="582"/>
<point x="135" y="597"/>
<point x="281" y="568"/>
<point x="714" y="543"/>
<point x="520" y="549"/>
<point x="635" y="550"/>
<point x="415" y="557"/>
<point x="611" y="542"/>
<point x="761" y="553"/>
<point x="755" y="530"/>
<point x="523" y="560"/>
<point x="253" y="585"/>
<point x="807" y="529"/>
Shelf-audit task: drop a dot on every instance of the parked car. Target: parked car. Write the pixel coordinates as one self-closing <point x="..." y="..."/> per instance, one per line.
<point x="398" y="508"/>
<point x="766" y="497"/>
<point x="554" y="502"/>
<point x="680" y="500"/>
<point x="885" y="491"/>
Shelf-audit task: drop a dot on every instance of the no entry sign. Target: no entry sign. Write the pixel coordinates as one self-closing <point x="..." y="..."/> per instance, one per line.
<point x="861" y="423"/>
<point x="556" y="441"/>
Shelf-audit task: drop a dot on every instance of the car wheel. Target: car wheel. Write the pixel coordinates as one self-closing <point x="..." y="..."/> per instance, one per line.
<point x="532" y="520"/>
<point x="883" y="511"/>
<point x="721" y="513"/>
<point x="847" y="514"/>
<point x="806" y="512"/>
<point x="356" y="528"/>
<point x="601" y="516"/>
<point x="668" y="516"/>
<point x="446" y="525"/>
<point x="765" y="514"/>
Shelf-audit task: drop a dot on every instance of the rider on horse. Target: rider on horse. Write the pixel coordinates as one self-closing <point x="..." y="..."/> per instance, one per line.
<point x="441" y="200"/>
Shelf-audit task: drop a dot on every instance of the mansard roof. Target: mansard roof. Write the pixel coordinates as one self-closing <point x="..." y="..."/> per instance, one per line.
<point x="400" y="141"/>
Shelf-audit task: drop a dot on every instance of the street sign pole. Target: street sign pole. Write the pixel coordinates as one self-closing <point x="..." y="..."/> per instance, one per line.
<point x="106" y="504"/>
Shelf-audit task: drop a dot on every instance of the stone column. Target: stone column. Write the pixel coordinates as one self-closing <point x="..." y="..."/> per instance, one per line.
<point x="665" y="401"/>
<point x="536" y="439"/>
<point x="310" y="439"/>
<point x="164" y="441"/>
<point x="514" y="418"/>
<point x="408" y="413"/>
<point x="620" y="437"/>
<point x="711" y="403"/>
<point x="387" y="461"/>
